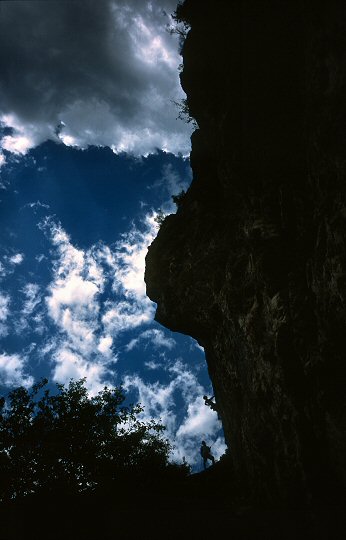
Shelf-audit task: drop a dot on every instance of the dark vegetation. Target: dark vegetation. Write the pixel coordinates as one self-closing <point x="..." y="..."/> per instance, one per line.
<point x="160" y="217"/>
<point x="69" y="442"/>
<point x="184" y="112"/>
<point x="64" y="454"/>
<point x="180" y="26"/>
<point x="178" y="199"/>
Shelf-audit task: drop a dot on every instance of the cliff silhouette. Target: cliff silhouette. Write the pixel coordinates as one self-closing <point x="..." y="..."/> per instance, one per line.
<point x="253" y="264"/>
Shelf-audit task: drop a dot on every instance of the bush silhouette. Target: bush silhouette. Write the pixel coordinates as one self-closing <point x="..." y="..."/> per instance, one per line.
<point x="73" y="443"/>
<point x="178" y="198"/>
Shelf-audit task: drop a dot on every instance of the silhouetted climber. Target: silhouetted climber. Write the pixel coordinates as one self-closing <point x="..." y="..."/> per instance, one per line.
<point x="210" y="403"/>
<point x="205" y="453"/>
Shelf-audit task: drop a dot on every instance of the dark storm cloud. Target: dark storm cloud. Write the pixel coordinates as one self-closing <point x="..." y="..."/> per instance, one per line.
<point x="106" y="69"/>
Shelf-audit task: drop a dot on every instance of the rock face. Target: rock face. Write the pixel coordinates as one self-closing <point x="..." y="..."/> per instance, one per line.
<point x="253" y="265"/>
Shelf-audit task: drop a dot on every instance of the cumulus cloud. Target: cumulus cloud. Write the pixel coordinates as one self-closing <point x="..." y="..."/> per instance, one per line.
<point x="122" y="316"/>
<point x="88" y="321"/>
<point x="70" y="365"/>
<point x="130" y="255"/>
<point x="105" y="345"/>
<point x="73" y="294"/>
<point x="159" y="400"/>
<point x="12" y="371"/>
<point x="87" y="72"/>
<point x="18" y="143"/>
<point x="198" y="421"/>
<point x="128" y="262"/>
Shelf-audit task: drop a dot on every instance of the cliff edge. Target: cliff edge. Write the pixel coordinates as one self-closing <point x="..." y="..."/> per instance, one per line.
<point x="253" y="264"/>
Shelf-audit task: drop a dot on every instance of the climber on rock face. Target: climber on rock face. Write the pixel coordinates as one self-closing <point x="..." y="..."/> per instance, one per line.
<point x="210" y="403"/>
<point x="206" y="454"/>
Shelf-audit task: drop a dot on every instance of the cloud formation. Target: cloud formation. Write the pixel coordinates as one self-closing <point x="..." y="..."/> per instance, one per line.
<point x="87" y="320"/>
<point x="4" y="313"/>
<point x="86" y="72"/>
<point x="155" y="337"/>
<point x="159" y="400"/>
<point x="12" y="371"/>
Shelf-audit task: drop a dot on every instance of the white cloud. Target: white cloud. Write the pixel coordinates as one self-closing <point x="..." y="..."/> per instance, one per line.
<point x="71" y="291"/>
<point x="157" y="400"/>
<point x="199" y="347"/>
<point x="87" y="322"/>
<point x="199" y="422"/>
<point x="23" y="316"/>
<point x="2" y="270"/>
<point x="74" y="310"/>
<point x="12" y="371"/>
<point x="156" y="338"/>
<point x="17" y="144"/>
<point x="18" y="258"/>
<point x="31" y="314"/>
<point x="77" y="281"/>
<point x="130" y="259"/>
<point x="4" y="313"/>
<point x="112" y="82"/>
<point x="36" y="205"/>
<point x="32" y="298"/>
<point x="9" y="264"/>
<point x="70" y="365"/>
<point x="125" y="315"/>
<point x="105" y="345"/>
<point x="25" y="135"/>
<point x="150" y="364"/>
<point x="128" y="262"/>
<point x="73" y="305"/>
<point x="2" y="162"/>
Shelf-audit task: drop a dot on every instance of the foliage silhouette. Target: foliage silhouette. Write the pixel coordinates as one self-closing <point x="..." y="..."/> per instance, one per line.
<point x="160" y="217"/>
<point x="184" y="112"/>
<point x="178" y="198"/>
<point x="179" y="27"/>
<point x="69" y="442"/>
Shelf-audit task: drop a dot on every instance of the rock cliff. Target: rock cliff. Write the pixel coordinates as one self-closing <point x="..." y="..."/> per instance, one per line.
<point x="253" y="264"/>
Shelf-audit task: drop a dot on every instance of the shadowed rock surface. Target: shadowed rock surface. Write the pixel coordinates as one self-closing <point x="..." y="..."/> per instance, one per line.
<point x="204" y="505"/>
<point x="253" y="265"/>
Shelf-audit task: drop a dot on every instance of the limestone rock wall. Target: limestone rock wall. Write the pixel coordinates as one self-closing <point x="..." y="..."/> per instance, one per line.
<point x="253" y="265"/>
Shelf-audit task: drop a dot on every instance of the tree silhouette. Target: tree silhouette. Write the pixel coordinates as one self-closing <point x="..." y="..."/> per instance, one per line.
<point x="73" y="443"/>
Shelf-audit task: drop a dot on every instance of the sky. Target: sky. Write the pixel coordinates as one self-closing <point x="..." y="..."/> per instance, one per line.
<point x="91" y="150"/>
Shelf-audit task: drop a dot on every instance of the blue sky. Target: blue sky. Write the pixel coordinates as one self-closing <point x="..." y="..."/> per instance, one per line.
<point x="88" y="157"/>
